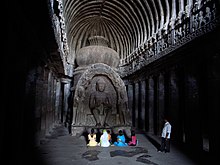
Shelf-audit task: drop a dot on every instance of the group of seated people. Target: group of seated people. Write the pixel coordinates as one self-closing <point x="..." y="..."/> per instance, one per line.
<point x="106" y="139"/>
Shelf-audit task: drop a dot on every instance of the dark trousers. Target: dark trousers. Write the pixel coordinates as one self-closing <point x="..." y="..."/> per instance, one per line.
<point x="165" y="145"/>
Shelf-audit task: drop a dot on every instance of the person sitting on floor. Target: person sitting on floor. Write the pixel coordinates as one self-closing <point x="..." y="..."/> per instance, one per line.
<point x="133" y="141"/>
<point x="92" y="138"/>
<point x="104" y="141"/>
<point x="120" y="139"/>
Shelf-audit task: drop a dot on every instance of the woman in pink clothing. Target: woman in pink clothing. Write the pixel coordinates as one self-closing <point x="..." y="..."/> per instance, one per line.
<point x="133" y="141"/>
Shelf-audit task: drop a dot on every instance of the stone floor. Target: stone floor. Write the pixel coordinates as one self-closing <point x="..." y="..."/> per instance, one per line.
<point x="63" y="149"/>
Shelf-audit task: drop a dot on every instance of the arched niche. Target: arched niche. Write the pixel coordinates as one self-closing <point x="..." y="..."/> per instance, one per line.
<point x="115" y="91"/>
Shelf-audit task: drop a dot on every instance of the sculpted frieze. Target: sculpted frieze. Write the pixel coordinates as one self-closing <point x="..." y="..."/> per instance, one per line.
<point x="202" y="20"/>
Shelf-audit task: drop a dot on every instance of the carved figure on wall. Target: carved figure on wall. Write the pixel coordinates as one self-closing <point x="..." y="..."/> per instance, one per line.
<point x="195" y="23"/>
<point x="201" y="19"/>
<point x="124" y="113"/>
<point x="208" y="15"/>
<point x="79" y="103"/>
<point x="197" y="5"/>
<point x="100" y="103"/>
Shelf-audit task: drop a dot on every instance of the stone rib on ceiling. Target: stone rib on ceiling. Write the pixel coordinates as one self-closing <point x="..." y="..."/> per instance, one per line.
<point x="127" y="24"/>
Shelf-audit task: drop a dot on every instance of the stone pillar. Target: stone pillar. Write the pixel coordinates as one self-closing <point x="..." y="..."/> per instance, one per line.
<point x="131" y="101"/>
<point x="174" y="106"/>
<point x="161" y="102"/>
<point x="151" y="104"/>
<point x="44" y="103"/>
<point x="142" y="105"/>
<point x="136" y="103"/>
<point x="58" y="102"/>
<point x="192" y="119"/>
<point x="38" y="110"/>
<point x="213" y="103"/>
<point x="48" y="103"/>
<point x="67" y="87"/>
<point x="146" y="105"/>
<point x="53" y="99"/>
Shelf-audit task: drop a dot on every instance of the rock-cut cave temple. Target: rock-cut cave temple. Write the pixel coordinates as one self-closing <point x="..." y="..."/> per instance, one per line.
<point x="117" y="64"/>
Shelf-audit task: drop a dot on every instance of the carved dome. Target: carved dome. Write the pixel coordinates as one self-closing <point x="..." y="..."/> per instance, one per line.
<point x="97" y="52"/>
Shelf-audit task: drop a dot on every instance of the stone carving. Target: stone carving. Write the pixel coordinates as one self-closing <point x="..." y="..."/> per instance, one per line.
<point x="197" y="5"/>
<point x="197" y="19"/>
<point x="201" y="19"/>
<point x="195" y="24"/>
<point x="100" y="103"/>
<point x="125" y="116"/>
<point x="208" y="15"/>
<point x="100" y="99"/>
<point x="79" y="101"/>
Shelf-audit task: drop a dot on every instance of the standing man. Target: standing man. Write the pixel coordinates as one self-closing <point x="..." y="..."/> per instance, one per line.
<point x="165" y="137"/>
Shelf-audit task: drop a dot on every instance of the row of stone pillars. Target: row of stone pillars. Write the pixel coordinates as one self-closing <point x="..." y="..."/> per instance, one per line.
<point x="178" y="94"/>
<point x="52" y="102"/>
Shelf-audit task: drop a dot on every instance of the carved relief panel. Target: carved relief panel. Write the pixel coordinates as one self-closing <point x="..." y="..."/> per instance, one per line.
<point x="100" y="99"/>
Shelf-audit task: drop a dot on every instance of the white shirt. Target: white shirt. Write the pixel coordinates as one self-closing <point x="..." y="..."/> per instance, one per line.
<point x="166" y="129"/>
<point x="104" y="140"/>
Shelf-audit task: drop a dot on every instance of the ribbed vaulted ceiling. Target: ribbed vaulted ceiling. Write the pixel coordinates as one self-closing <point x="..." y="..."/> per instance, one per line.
<point x="127" y="24"/>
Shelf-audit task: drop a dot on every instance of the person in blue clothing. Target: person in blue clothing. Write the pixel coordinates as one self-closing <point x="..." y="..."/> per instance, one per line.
<point x="120" y="139"/>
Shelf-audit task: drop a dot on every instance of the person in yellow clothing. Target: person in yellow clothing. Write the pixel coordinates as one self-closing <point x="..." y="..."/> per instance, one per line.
<point x="92" y="138"/>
